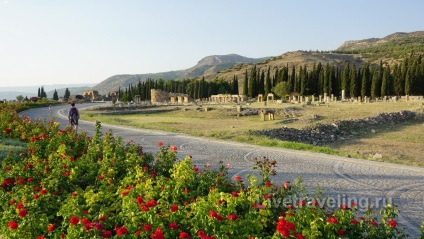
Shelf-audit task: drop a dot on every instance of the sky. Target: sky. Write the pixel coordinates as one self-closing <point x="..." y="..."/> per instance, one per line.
<point x="44" y="42"/>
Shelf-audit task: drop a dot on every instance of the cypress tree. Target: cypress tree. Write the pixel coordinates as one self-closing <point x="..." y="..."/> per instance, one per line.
<point x="268" y="84"/>
<point x="292" y="79"/>
<point x="364" y="83"/>
<point x="353" y="82"/>
<point x="375" y="85"/>
<point x="245" y="84"/>
<point x="385" y="83"/>
<point x="55" y="95"/>
<point x="346" y="80"/>
<point x="253" y="83"/>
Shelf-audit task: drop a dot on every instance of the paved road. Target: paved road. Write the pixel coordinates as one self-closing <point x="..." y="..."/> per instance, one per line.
<point x="339" y="177"/>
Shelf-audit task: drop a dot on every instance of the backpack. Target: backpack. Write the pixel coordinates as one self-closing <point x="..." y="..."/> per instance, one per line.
<point x="74" y="113"/>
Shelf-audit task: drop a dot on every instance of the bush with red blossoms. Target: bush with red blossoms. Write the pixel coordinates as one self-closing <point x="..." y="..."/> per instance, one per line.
<point x="73" y="186"/>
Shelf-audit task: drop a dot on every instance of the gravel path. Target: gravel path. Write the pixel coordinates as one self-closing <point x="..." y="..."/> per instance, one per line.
<point x="342" y="179"/>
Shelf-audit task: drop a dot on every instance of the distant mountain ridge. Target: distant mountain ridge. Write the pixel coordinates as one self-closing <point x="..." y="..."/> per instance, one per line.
<point x="395" y="39"/>
<point x="207" y="65"/>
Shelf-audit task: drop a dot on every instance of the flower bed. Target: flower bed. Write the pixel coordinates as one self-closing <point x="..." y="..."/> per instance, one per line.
<point x="72" y="186"/>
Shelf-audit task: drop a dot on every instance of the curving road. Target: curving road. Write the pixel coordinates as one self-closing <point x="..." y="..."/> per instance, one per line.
<point x="342" y="179"/>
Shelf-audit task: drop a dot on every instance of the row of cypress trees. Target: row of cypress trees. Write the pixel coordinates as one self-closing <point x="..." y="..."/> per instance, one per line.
<point x="375" y="81"/>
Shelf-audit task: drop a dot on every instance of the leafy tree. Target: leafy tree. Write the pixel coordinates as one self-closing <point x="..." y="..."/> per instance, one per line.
<point x="281" y="89"/>
<point x="19" y="98"/>
<point x="55" y="96"/>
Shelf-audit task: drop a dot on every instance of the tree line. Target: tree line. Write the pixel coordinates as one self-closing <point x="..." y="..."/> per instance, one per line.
<point x="375" y="81"/>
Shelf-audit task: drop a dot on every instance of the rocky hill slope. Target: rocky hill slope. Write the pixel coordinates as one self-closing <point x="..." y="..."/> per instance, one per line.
<point x="390" y="49"/>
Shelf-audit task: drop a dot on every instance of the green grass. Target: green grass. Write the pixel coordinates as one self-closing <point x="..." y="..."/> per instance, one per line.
<point x="9" y="145"/>
<point x="402" y="144"/>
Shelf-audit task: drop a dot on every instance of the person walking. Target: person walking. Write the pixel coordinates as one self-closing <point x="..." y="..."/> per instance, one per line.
<point x="73" y="116"/>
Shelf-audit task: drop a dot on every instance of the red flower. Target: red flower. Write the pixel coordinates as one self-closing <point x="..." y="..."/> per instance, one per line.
<point x="125" y="193"/>
<point x="158" y="234"/>
<point x="74" y="220"/>
<point x="30" y="180"/>
<point x="139" y="200"/>
<point x="174" y="208"/>
<point x="173" y="148"/>
<point x="50" y="227"/>
<point x="232" y="217"/>
<point x="173" y="225"/>
<point x="392" y="223"/>
<point x="151" y="203"/>
<point x="36" y="196"/>
<point x="21" y="181"/>
<point x="40" y="237"/>
<point x="107" y="234"/>
<point x="13" y="225"/>
<point x="122" y="231"/>
<point x="341" y="232"/>
<point x="102" y="218"/>
<point x="268" y="184"/>
<point x="332" y="220"/>
<point x="235" y="194"/>
<point x="237" y="178"/>
<point x="299" y="236"/>
<point x="286" y="185"/>
<point x="160" y="144"/>
<point x="20" y="206"/>
<point x="373" y="223"/>
<point x="201" y="233"/>
<point x="147" y="228"/>
<point x="184" y="235"/>
<point x="85" y="221"/>
<point x="11" y="202"/>
<point x="74" y="194"/>
<point x="301" y="203"/>
<point x="23" y="213"/>
<point x="284" y="227"/>
<point x="8" y="131"/>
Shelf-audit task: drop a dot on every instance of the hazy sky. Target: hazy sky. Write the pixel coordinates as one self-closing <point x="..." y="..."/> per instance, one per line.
<point x="45" y="42"/>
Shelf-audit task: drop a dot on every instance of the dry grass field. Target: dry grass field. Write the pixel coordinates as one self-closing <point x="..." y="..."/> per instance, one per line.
<point x="402" y="144"/>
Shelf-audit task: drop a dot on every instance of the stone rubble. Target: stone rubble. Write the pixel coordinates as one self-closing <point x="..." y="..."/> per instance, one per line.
<point x="322" y="134"/>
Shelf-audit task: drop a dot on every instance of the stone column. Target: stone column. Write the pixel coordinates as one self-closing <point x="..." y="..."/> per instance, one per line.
<point x="343" y="95"/>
